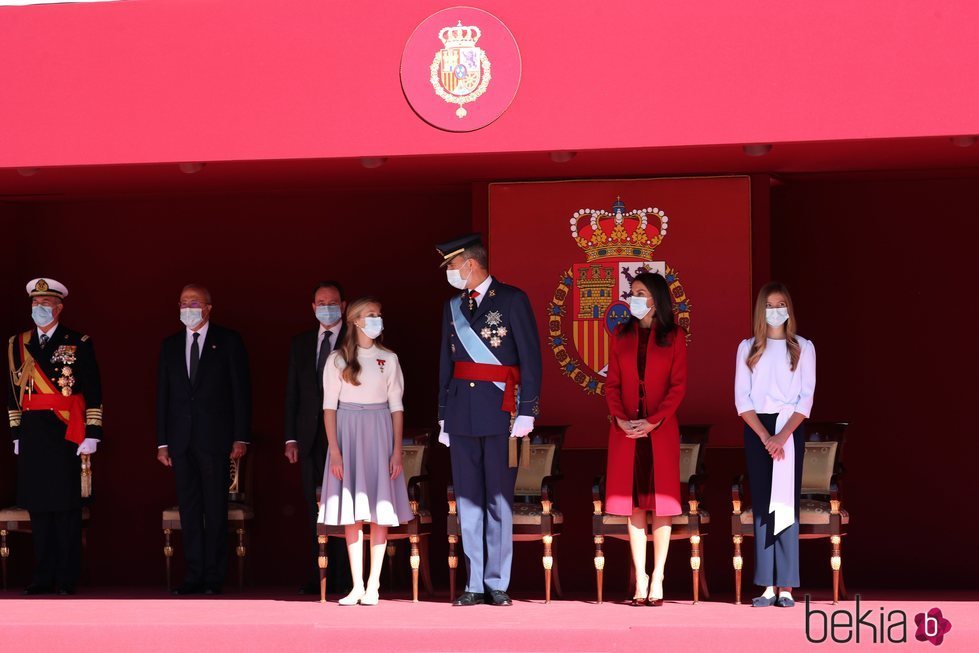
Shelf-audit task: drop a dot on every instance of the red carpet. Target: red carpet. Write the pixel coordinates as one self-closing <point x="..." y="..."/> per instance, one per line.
<point x="111" y="621"/>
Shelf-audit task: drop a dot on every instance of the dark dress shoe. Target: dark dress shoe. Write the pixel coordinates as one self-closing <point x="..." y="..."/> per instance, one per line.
<point x="33" y="590"/>
<point x="498" y="597"/>
<point x="785" y="602"/>
<point x="469" y="598"/>
<point x="188" y="588"/>
<point x="762" y="602"/>
<point x="66" y="590"/>
<point x="211" y="590"/>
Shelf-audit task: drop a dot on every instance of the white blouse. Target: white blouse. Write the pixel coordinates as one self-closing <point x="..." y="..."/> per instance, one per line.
<point x="772" y="386"/>
<point x="381" y="380"/>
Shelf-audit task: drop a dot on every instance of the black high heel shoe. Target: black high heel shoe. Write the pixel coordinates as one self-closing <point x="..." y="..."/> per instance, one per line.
<point x="641" y="596"/>
<point x="651" y="601"/>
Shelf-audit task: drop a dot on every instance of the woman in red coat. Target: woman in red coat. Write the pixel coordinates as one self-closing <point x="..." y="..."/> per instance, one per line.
<point x="647" y="378"/>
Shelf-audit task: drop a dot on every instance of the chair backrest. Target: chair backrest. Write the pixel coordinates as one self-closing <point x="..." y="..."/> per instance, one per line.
<point x="415" y="447"/>
<point x="545" y="457"/>
<point x="824" y="447"/>
<point x="693" y="446"/>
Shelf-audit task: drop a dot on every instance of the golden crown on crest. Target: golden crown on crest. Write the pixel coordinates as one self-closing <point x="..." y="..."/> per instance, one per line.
<point x="632" y="234"/>
<point x="460" y="36"/>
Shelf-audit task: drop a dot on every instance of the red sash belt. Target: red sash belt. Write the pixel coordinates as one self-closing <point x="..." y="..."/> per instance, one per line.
<point x="508" y="374"/>
<point x="74" y="405"/>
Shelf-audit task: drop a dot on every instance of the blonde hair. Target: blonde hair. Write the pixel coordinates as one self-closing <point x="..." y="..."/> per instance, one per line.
<point x="347" y="349"/>
<point x="761" y="326"/>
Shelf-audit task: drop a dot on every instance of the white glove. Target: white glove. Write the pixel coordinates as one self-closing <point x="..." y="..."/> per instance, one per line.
<point x="522" y="426"/>
<point x="16" y="447"/>
<point x="443" y="436"/>
<point x="88" y="445"/>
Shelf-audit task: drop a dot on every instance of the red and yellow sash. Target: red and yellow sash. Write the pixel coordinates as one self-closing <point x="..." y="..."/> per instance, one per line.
<point x="45" y="395"/>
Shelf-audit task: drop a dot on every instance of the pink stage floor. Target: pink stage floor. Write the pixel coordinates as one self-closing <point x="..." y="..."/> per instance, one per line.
<point x="263" y="620"/>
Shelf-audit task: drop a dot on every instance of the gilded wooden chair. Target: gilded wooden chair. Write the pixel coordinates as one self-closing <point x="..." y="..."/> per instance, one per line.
<point x="821" y="515"/>
<point x="692" y="525"/>
<point x="240" y="513"/>
<point x="17" y="520"/>
<point x="415" y="448"/>
<point x="535" y="516"/>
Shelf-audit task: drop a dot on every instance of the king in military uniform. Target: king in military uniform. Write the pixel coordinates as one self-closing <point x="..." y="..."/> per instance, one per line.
<point x="489" y="387"/>
<point x="55" y="410"/>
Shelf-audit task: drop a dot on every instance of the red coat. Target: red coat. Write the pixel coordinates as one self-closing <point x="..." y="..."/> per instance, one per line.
<point x="666" y="383"/>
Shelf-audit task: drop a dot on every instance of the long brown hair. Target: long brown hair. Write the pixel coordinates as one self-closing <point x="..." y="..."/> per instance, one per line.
<point x="347" y="350"/>
<point x="761" y="326"/>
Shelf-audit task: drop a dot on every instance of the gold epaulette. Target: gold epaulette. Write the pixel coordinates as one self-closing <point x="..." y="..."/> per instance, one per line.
<point x="93" y="416"/>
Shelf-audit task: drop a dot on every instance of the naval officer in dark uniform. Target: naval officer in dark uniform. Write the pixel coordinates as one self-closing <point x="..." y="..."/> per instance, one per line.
<point x="489" y="389"/>
<point x="55" y="411"/>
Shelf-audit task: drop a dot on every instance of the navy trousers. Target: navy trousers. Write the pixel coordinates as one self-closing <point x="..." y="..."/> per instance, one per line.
<point x="776" y="556"/>
<point x="484" y="482"/>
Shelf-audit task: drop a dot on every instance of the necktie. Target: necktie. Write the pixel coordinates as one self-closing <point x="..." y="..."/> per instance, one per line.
<point x="321" y="359"/>
<point x="473" y="294"/>
<point x="195" y="358"/>
<point x="44" y="340"/>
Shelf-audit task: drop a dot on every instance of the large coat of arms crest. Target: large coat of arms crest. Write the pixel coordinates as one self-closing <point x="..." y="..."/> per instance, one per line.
<point x="460" y="72"/>
<point x="592" y="297"/>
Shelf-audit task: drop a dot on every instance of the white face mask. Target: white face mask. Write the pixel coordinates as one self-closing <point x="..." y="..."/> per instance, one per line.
<point x="638" y="307"/>
<point x="455" y="278"/>
<point x="372" y="327"/>
<point x="191" y="317"/>
<point x="776" y="317"/>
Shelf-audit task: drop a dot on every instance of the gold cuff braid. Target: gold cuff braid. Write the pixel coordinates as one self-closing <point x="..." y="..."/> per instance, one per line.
<point x="93" y="416"/>
<point x="14" y="416"/>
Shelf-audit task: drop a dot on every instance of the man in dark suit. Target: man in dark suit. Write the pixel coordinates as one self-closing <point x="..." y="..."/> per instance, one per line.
<point x="490" y="349"/>
<point x="55" y="410"/>
<point x="203" y="414"/>
<point x="304" y="431"/>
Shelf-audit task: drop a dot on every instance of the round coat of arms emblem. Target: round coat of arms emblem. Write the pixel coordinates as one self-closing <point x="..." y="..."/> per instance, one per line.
<point x="460" y="69"/>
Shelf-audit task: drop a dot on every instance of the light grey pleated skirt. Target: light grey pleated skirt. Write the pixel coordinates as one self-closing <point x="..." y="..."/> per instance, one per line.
<point x="366" y="493"/>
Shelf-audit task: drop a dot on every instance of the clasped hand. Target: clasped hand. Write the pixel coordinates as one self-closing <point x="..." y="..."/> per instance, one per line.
<point x="638" y="428"/>
<point x="775" y="446"/>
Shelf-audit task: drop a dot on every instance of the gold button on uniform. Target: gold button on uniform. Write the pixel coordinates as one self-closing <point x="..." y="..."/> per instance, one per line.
<point x="472" y="384"/>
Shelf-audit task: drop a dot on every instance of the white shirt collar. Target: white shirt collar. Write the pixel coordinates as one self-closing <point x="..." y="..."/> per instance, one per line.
<point x="335" y="330"/>
<point x="202" y="331"/>
<point x="483" y="287"/>
<point x="49" y="334"/>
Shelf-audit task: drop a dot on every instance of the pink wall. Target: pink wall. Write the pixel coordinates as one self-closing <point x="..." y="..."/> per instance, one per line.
<point x="135" y="82"/>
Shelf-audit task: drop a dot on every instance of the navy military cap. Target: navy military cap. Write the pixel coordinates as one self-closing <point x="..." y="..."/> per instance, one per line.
<point x="452" y="248"/>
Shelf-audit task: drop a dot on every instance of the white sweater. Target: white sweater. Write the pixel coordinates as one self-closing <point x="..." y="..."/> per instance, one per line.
<point x="772" y="385"/>
<point x="381" y="380"/>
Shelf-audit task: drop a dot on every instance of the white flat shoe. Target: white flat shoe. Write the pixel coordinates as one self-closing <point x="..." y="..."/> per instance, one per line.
<point x="355" y="596"/>
<point x="370" y="596"/>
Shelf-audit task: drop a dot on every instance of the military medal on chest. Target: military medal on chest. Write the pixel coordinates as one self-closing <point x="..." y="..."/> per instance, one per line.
<point x="494" y="331"/>
<point x="65" y="355"/>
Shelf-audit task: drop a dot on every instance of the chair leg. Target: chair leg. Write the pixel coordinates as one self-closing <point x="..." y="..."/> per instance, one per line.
<point x="453" y="563"/>
<point x="704" y="592"/>
<point x="548" y="561"/>
<point x="390" y="550"/>
<point x="167" y="554"/>
<point x="4" y="554"/>
<point x="836" y="562"/>
<point x="738" y="563"/>
<point x="695" y="561"/>
<point x="599" y="565"/>
<point x="426" y="568"/>
<point x="241" y="551"/>
<point x="322" y="562"/>
<point x="415" y="561"/>
<point x="556" y="576"/>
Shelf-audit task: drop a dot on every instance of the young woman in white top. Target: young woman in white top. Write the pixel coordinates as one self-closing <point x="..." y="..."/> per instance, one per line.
<point x="364" y="418"/>
<point x="774" y="384"/>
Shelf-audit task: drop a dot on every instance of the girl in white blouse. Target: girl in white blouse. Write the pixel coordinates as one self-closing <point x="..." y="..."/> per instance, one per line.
<point x="774" y="384"/>
<point x="364" y="418"/>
